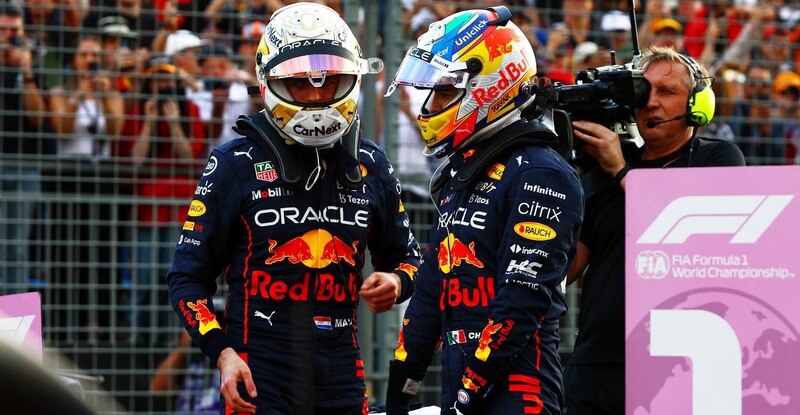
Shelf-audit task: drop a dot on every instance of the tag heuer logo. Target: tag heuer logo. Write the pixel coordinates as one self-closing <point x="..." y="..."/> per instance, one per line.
<point x="266" y="171"/>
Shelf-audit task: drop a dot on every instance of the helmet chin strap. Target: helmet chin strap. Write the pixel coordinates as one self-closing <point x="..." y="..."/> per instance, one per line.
<point x="315" y="174"/>
<point x="290" y="157"/>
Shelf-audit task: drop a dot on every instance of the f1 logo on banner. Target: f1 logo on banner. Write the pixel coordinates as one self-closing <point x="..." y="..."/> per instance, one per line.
<point x="745" y="216"/>
<point x="711" y="283"/>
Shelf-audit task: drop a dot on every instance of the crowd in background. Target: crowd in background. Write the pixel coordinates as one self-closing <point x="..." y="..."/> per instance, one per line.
<point x="126" y="98"/>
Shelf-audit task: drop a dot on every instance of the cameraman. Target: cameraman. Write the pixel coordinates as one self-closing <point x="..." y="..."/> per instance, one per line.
<point x="595" y="375"/>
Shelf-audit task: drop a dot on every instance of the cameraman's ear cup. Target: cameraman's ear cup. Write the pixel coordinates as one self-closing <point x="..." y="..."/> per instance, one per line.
<point x="701" y="107"/>
<point x="702" y="101"/>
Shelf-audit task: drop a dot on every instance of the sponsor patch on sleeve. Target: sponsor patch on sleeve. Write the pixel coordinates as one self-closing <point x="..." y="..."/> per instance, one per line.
<point x="534" y="231"/>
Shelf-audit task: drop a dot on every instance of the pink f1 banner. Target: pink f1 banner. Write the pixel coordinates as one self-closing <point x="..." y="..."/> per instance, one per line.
<point x="21" y="323"/>
<point x="712" y="285"/>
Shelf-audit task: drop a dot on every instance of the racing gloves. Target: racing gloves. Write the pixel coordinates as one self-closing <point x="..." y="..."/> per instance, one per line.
<point x="400" y="389"/>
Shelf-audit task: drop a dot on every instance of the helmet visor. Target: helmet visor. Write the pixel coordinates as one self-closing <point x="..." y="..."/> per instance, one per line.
<point x="310" y="64"/>
<point x="313" y="57"/>
<point x="425" y="70"/>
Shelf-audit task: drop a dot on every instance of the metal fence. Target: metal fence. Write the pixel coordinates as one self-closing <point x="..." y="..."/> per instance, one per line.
<point x="74" y="228"/>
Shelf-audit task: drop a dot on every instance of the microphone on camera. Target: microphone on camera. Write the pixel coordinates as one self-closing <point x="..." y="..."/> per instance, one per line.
<point x="651" y="123"/>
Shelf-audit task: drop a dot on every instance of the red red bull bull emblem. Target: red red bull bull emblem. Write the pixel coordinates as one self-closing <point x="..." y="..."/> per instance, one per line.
<point x="473" y="381"/>
<point x="454" y="295"/>
<point x="202" y="314"/>
<point x="452" y="252"/>
<point x="408" y="269"/>
<point x="498" y="43"/>
<point x="315" y="249"/>
<point x="324" y="287"/>
<point x="483" y="350"/>
<point x="400" y="353"/>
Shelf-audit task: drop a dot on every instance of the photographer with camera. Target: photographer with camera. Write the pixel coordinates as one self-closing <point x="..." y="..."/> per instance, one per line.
<point x="21" y="124"/>
<point x="680" y="102"/>
<point x="165" y="140"/>
<point x="87" y="111"/>
<point x="87" y="115"/>
<point x="224" y="95"/>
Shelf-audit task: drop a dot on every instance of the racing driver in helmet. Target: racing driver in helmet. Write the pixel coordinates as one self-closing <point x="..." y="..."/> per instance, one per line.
<point x="510" y="208"/>
<point x="285" y="214"/>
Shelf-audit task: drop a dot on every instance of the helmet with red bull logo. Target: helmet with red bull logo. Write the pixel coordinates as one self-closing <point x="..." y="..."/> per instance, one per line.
<point x="484" y="61"/>
<point x="309" y="42"/>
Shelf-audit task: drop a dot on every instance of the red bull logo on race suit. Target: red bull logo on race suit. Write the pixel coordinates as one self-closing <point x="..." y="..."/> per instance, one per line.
<point x="408" y="269"/>
<point x="325" y="287"/>
<point x="483" y="350"/>
<point x="453" y="252"/>
<point x="315" y="249"/>
<point x="202" y="314"/>
<point x="454" y="295"/>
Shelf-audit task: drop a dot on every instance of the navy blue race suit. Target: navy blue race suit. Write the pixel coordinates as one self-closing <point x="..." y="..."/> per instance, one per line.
<point x="489" y="284"/>
<point x="292" y="260"/>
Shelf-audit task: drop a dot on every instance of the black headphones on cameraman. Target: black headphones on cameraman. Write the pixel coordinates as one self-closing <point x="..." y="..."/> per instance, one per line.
<point x="700" y="107"/>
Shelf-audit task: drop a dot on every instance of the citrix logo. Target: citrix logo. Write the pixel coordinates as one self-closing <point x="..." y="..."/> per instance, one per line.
<point x="747" y="217"/>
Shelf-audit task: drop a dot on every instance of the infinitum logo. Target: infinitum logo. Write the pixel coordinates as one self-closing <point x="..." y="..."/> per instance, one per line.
<point x="747" y="217"/>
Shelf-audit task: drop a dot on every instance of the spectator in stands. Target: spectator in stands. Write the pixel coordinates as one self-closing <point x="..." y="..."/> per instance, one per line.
<point x="87" y="111"/>
<point x="589" y="55"/>
<point x="224" y="96"/>
<point x="616" y="24"/>
<point x="248" y="44"/>
<point x="786" y="114"/>
<point x="22" y="122"/>
<point x="114" y="35"/>
<point x="776" y="52"/>
<point x="726" y="86"/>
<point x="578" y="18"/>
<point x="752" y="122"/>
<point x="165" y="140"/>
<point x="594" y="379"/>
<point x="118" y="43"/>
<point x="53" y="30"/>
<point x="668" y="32"/>
<point x="183" y="47"/>
<point x="140" y="20"/>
